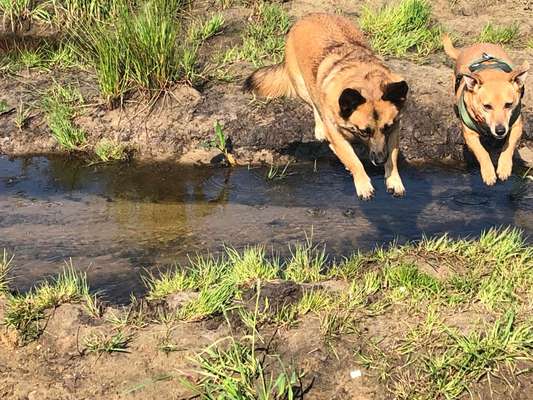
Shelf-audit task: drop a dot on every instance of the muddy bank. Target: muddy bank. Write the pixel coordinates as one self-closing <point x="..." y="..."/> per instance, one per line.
<point x="427" y="321"/>
<point x="180" y="124"/>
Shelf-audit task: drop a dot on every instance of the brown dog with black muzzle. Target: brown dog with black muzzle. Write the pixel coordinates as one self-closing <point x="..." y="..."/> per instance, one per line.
<point x="489" y="93"/>
<point x="354" y="96"/>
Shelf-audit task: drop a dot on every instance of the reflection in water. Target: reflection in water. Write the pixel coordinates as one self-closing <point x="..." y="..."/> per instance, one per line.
<point x="116" y="220"/>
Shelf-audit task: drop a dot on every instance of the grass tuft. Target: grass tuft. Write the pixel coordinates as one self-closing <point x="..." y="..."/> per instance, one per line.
<point x="59" y="105"/>
<point x="5" y="267"/>
<point x="108" y="150"/>
<point x="25" y="312"/>
<point x="401" y="29"/>
<point x="102" y="343"/>
<point x="499" y="34"/>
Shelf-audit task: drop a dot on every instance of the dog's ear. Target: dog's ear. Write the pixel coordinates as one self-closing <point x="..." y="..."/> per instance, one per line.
<point x="395" y="92"/>
<point x="519" y="74"/>
<point x="472" y="81"/>
<point x="349" y="100"/>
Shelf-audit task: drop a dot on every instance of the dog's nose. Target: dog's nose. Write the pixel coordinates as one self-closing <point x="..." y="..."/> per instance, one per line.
<point x="500" y="130"/>
<point x="378" y="158"/>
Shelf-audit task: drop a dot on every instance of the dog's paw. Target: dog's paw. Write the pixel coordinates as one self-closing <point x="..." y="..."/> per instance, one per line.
<point x="364" y="189"/>
<point x="395" y="186"/>
<point x="505" y="168"/>
<point x="488" y="175"/>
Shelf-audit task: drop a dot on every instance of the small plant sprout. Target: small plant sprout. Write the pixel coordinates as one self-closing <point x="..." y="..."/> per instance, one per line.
<point x="5" y="267"/>
<point x="276" y="173"/>
<point x="22" y="116"/>
<point x="221" y="143"/>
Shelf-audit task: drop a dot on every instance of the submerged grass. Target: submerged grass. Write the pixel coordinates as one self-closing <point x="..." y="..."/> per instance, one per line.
<point x="401" y="29"/>
<point x="108" y="150"/>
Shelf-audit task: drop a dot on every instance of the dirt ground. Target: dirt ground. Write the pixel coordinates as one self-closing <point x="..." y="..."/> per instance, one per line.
<point x="182" y="121"/>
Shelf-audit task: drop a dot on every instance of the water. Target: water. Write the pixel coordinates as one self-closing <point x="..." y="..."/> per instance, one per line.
<point x="115" y="221"/>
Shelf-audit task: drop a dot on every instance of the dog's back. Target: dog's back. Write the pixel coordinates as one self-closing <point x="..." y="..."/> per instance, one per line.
<point x="317" y="45"/>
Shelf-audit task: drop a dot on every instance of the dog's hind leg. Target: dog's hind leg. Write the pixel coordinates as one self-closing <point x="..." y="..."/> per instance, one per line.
<point x="393" y="182"/>
<point x="487" y="169"/>
<point x="505" y="161"/>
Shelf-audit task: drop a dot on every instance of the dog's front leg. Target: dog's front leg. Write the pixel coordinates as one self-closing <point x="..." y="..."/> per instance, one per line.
<point x="505" y="161"/>
<point x="393" y="182"/>
<point x="344" y="151"/>
<point x="487" y="169"/>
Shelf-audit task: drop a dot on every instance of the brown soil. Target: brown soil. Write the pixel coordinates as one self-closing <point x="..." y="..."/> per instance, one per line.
<point x="182" y="120"/>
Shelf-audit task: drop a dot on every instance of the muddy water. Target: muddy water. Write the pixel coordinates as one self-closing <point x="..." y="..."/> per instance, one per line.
<point x="115" y="221"/>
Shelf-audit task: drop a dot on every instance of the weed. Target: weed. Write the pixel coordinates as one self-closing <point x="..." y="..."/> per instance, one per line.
<point x="102" y="343"/>
<point x="5" y="268"/>
<point x="499" y="34"/>
<point x="222" y="143"/>
<point x="306" y="263"/>
<point x="315" y="301"/>
<point x="24" y="312"/>
<point x="275" y="173"/>
<point x="108" y="150"/>
<point x="401" y="29"/>
<point x="3" y="106"/>
<point x="59" y="106"/>
<point x="22" y="116"/>
<point x="167" y="283"/>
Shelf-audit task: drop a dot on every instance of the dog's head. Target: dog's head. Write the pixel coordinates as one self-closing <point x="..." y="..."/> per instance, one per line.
<point x="371" y="120"/>
<point x="495" y="95"/>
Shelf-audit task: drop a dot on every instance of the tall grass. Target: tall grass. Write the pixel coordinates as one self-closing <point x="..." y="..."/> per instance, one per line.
<point x="401" y="28"/>
<point x="15" y="12"/>
<point x="143" y="46"/>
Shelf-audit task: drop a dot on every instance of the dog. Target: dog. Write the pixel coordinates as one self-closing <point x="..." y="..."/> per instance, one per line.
<point x="354" y="96"/>
<point x="488" y="97"/>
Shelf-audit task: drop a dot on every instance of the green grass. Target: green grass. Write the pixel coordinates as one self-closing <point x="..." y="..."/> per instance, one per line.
<point x="147" y="47"/>
<point x="499" y="34"/>
<point x="25" y="312"/>
<point x="5" y="267"/>
<point x="22" y="116"/>
<point x="59" y="105"/>
<point x="401" y="29"/>
<point x="16" y="12"/>
<point x="108" y="150"/>
<point x="263" y="38"/>
<point x="102" y="343"/>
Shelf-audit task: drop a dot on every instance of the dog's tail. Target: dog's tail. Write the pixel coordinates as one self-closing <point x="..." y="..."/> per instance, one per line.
<point x="270" y="82"/>
<point x="448" y="47"/>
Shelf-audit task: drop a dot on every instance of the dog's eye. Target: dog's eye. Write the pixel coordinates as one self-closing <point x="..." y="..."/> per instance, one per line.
<point x="508" y="105"/>
<point x="487" y="106"/>
<point x="387" y="128"/>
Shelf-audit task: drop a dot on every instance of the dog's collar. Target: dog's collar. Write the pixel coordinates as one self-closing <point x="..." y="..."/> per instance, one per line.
<point x="485" y="62"/>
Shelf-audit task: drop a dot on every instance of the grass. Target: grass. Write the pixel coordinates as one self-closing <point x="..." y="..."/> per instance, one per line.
<point x="499" y="34"/>
<point x="59" y="105"/>
<point x="16" y="12"/>
<point x="25" y="312"/>
<point x="22" y="116"/>
<point x="102" y="343"/>
<point x="108" y="150"/>
<point x="222" y="143"/>
<point x="147" y="47"/>
<point x="401" y="29"/>
<point x="438" y="318"/>
<point x="263" y="39"/>
<point x="5" y="267"/>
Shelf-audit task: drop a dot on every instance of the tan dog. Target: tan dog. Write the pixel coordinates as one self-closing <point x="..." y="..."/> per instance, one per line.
<point x="354" y="96"/>
<point x="488" y="101"/>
